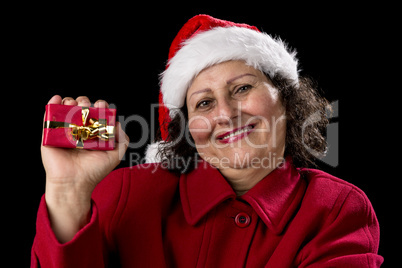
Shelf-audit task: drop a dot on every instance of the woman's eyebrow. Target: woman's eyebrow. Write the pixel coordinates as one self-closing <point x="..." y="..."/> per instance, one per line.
<point x="237" y="77"/>
<point x="227" y="82"/>
<point x="200" y="91"/>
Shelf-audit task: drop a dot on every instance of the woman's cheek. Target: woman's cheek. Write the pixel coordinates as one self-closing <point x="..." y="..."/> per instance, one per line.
<point x="200" y="129"/>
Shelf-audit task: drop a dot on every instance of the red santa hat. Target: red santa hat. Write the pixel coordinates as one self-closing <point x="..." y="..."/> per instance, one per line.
<point x="205" y="41"/>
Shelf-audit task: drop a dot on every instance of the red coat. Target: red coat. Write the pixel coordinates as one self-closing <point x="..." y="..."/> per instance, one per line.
<point x="146" y="216"/>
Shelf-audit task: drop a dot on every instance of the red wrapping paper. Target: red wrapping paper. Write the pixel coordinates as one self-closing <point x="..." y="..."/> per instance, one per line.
<point x="63" y="137"/>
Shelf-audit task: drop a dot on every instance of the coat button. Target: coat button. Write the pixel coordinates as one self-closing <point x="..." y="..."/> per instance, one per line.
<point x="242" y="220"/>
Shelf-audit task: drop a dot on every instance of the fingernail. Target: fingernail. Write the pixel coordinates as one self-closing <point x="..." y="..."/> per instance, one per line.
<point x="83" y="100"/>
<point x="66" y="99"/>
<point x="101" y="104"/>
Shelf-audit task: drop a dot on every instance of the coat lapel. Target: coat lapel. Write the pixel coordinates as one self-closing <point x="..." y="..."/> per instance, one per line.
<point x="275" y="198"/>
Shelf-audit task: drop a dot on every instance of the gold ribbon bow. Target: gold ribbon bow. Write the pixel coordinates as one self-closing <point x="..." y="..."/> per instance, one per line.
<point x="97" y="128"/>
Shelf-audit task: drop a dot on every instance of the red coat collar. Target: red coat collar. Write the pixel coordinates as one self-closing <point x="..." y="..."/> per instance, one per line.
<point x="275" y="198"/>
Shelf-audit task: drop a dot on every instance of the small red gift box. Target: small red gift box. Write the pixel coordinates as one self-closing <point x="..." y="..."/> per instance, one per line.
<point x="79" y="127"/>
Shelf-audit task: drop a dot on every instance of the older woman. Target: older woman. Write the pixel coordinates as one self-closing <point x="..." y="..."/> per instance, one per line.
<point x="228" y="185"/>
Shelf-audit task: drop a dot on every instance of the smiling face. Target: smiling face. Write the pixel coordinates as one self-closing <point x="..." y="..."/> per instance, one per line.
<point x="236" y="117"/>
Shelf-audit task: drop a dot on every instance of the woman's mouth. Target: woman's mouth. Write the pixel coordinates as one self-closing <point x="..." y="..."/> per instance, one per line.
<point x="236" y="134"/>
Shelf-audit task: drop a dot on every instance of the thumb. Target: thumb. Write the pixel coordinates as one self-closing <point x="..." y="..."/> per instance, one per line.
<point x="122" y="142"/>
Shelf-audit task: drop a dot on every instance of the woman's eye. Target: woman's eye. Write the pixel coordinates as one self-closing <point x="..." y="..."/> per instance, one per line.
<point x="203" y="104"/>
<point x="243" y="89"/>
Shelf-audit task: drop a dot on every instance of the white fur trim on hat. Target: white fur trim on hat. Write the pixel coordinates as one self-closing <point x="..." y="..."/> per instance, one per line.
<point x="151" y="153"/>
<point x="221" y="44"/>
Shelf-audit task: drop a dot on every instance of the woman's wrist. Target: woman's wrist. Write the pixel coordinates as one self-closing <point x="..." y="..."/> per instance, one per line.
<point x="69" y="210"/>
<point x="68" y="191"/>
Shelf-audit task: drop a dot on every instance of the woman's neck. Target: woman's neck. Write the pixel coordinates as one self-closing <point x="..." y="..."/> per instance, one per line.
<point x="242" y="180"/>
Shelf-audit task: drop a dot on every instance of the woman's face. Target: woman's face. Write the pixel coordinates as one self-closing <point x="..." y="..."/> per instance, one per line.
<point x="236" y="117"/>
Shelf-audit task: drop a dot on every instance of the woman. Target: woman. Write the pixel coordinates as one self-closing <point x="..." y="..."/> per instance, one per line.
<point x="227" y="186"/>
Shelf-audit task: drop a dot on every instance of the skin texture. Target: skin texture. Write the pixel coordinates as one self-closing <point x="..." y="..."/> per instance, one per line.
<point x="227" y="97"/>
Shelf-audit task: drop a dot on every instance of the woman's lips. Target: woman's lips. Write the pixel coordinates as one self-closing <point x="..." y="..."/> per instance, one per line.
<point x="236" y="134"/>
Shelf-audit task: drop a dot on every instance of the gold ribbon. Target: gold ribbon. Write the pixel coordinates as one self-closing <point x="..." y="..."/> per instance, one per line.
<point x="97" y="128"/>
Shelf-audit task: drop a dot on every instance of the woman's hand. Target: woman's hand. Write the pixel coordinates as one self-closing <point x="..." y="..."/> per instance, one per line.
<point x="72" y="174"/>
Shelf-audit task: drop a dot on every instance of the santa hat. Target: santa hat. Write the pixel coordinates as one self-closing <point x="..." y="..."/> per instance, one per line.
<point x="205" y="41"/>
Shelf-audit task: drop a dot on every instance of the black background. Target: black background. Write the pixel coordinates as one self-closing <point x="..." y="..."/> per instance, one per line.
<point x="116" y="53"/>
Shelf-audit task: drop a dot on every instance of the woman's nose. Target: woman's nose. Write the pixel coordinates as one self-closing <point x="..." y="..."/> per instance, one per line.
<point x="226" y="111"/>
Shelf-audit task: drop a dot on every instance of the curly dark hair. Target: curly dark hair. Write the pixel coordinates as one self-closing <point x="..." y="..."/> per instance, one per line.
<point x="306" y="122"/>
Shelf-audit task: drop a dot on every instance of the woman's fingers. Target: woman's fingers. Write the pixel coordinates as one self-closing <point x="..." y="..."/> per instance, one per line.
<point x="83" y="101"/>
<point x="80" y="101"/>
<point x="56" y="99"/>
<point x="101" y="104"/>
<point x="69" y="101"/>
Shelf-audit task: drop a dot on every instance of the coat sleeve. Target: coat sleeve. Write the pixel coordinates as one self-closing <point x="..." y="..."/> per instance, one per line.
<point x="91" y="245"/>
<point x="349" y="237"/>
